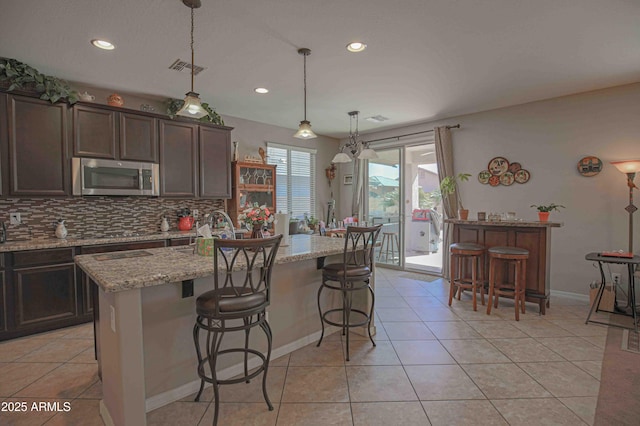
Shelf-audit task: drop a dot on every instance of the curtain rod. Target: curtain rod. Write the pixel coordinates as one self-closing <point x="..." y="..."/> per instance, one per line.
<point x="457" y="126"/>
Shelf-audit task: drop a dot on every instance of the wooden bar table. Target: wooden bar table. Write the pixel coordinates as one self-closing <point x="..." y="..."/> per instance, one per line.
<point x="532" y="236"/>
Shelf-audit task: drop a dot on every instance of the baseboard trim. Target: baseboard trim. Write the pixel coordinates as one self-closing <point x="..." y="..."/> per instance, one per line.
<point x="104" y="413"/>
<point x="190" y="388"/>
<point x="570" y="295"/>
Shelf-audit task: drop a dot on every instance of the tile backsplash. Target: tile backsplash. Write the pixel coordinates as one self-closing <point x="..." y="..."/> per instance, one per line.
<point x="88" y="217"/>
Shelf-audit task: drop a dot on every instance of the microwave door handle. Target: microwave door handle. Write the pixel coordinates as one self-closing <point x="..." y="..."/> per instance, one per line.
<point x="140" y="183"/>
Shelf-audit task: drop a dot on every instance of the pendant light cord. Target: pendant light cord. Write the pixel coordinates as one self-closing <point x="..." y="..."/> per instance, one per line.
<point x="192" y="55"/>
<point x="305" y="86"/>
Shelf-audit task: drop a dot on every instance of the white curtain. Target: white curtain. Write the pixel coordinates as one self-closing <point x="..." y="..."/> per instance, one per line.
<point x="444" y="158"/>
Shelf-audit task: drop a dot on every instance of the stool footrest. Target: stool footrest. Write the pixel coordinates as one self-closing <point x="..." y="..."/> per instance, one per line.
<point x="351" y="324"/>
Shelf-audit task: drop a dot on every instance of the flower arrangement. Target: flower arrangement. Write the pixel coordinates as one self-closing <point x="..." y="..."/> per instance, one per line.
<point x="256" y="215"/>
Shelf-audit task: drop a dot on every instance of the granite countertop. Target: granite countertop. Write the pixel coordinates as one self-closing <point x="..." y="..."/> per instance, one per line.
<point x="166" y="265"/>
<point x="47" y="243"/>
<point x="514" y="223"/>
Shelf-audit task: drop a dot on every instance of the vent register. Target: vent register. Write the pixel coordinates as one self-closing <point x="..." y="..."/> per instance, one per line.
<point x="180" y="65"/>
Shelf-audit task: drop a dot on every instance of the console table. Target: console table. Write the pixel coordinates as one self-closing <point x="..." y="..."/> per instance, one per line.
<point x="533" y="236"/>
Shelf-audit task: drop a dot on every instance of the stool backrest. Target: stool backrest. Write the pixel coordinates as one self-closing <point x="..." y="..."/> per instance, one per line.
<point x="243" y="267"/>
<point x="359" y="244"/>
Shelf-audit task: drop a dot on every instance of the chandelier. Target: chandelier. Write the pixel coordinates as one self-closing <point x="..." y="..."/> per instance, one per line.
<point x="358" y="149"/>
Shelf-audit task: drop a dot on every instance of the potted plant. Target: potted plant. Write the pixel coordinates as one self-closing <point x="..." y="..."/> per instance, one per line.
<point x="449" y="185"/>
<point x="543" y="211"/>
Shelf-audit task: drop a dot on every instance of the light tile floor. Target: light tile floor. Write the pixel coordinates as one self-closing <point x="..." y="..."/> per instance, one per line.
<point x="433" y="364"/>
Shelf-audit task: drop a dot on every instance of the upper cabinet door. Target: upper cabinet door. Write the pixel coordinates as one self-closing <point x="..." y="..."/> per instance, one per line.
<point x="37" y="147"/>
<point x="215" y="163"/>
<point x="178" y="159"/>
<point x="138" y="138"/>
<point x="94" y="132"/>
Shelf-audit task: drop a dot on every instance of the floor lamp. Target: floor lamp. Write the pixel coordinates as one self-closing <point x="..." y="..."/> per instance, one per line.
<point x="630" y="168"/>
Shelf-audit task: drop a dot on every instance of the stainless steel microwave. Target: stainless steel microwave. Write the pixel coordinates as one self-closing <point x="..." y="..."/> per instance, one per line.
<point x="93" y="176"/>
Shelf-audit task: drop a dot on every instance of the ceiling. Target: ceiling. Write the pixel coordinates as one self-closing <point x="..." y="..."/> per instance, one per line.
<point x="426" y="59"/>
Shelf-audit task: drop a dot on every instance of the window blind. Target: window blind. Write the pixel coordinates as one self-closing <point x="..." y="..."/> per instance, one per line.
<point x="295" y="179"/>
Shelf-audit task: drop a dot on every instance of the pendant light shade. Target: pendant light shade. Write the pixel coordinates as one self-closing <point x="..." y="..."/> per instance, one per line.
<point x="192" y="107"/>
<point x="341" y="157"/>
<point x="368" y="154"/>
<point x="304" y="130"/>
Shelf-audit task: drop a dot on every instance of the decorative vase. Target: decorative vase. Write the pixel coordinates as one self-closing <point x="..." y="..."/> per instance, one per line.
<point x="164" y="226"/>
<point x="543" y="216"/>
<point x="185" y="223"/>
<point x="115" y="100"/>
<point x="61" y="230"/>
<point x="256" y="232"/>
<point x="463" y="214"/>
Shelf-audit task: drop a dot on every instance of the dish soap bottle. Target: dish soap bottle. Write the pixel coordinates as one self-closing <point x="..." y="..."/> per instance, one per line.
<point x="61" y="230"/>
<point x="164" y="226"/>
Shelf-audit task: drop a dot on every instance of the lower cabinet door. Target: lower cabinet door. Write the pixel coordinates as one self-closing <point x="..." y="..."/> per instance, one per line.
<point x="44" y="294"/>
<point x="3" y="305"/>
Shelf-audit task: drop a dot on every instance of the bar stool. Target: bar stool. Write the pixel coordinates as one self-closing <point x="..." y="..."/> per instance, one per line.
<point x="390" y="242"/>
<point x="460" y="254"/>
<point x="238" y="302"/>
<point x="353" y="274"/>
<point x="511" y="256"/>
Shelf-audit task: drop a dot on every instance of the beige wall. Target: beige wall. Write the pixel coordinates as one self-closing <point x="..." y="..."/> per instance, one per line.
<point x="549" y="138"/>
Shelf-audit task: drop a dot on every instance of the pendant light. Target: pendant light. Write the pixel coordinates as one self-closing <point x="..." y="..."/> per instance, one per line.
<point x="304" y="131"/>
<point x="192" y="107"/>
<point x="358" y="149"/>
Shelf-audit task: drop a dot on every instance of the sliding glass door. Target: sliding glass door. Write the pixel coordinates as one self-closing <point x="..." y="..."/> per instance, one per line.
<point x="423" y="217"/>
<point x="383" y="203"/>
<point x="402" y="192"/>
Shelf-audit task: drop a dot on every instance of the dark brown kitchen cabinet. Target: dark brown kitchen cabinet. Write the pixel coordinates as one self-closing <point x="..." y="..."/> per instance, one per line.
<point x="102" y="132"/>
<point x="41" y="292"/>
<point x="3" y="296"/>
<point x="214" y="163"/>
<point x="37" y="135"/>
<point x="4" y="146"/>
<point x="178" y="159"/>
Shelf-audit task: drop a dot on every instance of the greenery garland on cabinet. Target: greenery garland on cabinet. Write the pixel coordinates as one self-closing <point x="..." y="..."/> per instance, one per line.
<point x="20" y="76"/>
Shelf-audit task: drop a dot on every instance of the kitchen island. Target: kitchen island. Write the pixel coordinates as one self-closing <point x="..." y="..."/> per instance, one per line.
<point x="147" y="312"/>
<point x="533" y="236"/>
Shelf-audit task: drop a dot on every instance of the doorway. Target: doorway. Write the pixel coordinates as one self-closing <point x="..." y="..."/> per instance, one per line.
<point x="403" y="194"/>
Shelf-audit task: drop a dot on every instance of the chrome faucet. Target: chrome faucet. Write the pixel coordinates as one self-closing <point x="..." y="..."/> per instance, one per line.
<point x="211" y="220"/>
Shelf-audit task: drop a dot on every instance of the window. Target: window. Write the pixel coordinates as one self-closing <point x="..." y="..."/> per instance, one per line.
<point x="295" y="179"/>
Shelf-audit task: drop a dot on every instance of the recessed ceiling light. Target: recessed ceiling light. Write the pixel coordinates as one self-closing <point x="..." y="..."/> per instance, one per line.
<point x="103" y="44"/>
<point x="261" y="90"/>
<point x="356" y="46"/>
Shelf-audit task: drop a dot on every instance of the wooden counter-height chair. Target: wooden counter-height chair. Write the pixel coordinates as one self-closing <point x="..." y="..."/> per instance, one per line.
<point x="498" y="258"/>
<point x="460" y="254"/>
<point x="238" y="302"/>
<point x="351" y="275"/>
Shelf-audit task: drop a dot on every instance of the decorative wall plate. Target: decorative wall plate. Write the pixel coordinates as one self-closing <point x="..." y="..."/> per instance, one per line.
<point x="494" y="180"/>
<point x="506" y="178"/>
<point x="498" y="166"/>
<point x="514" y="167"/>
<point x="522" y="176"/>
<point x="484" y="176"/>
<point x="589" y="166"/>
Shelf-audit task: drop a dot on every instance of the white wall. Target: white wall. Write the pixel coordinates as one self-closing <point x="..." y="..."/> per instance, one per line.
<point x="549" y="138"/>
<point x="252" y="135"/>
